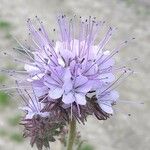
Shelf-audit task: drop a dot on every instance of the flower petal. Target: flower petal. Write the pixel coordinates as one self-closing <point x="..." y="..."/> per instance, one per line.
<point x="50" y="82"/>
<point x="40" y="91"/>
<point x="67" y="75"/>
<point x="67" y="86"/>
<point x="68" y="98"/>
<point x="67" y="81"/>
<point x="31" y="69"/>
<point x="66" y="55"/>
<point x="37" y="76"/>
<point x="80" y="80"/>
<point x="56" y="93"/>
<point x="80" y="98"/>
<point x="110" y="96"/>
<point x="106" y="107"/>
<point x="114" y="95"/>
<point x="107" y="64"/>
<point x="84" y="88"/>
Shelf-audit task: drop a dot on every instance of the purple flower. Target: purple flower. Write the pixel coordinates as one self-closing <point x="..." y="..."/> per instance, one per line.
<point x="75" y="65"/>
<point x="72" y="77"/>
<point x="39" y="125"/>
<point x="106" y="99"/>
<point x="71" y="90"/>
<point x="33" y="107"/>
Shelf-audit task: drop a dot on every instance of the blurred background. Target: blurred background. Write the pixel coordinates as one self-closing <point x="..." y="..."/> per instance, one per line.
<point x="132" y="18"/>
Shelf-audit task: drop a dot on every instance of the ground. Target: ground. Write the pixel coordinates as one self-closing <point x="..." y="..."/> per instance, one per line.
<point x="132" y="18"/>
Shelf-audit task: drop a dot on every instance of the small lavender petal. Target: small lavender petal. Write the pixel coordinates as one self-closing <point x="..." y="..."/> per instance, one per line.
<point x="84" y="88"/>
<point x="31" y="69"/>
<point x="80" y="98"/>
<point x="106" y="108"/>
<point x="80" y="81"/>
<point x="56" y="93"/>
<point x="68" y="98"/>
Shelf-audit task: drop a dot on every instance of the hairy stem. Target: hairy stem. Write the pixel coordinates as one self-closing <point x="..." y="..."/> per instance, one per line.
<point x="72" y="134"/>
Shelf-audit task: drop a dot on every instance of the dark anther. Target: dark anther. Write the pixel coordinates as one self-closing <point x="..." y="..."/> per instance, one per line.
<point x="129" y="114"/>
<point x="82" y="60"/>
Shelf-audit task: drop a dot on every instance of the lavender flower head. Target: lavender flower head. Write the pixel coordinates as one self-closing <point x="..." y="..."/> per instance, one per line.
<point x="72" y="77"/>
<point x="74" y="71"/>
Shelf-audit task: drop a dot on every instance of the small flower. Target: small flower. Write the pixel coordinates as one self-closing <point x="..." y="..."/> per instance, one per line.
<point x="71" y="90"/>
<point x="34" y="107"/>
<point x="40" y="126"/>
<point x="106" y="99"/>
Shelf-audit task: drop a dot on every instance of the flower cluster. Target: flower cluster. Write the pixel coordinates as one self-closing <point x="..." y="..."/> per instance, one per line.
<point x="72" y="77"/>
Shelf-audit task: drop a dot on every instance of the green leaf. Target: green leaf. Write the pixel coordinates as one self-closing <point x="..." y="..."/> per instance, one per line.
<point x="86" y="147"/>
<point x="4" y="99"/>
<point x="3" y="132"/>
<point x="4" y="24"/>
<point x="16" y="137"/>
<point x="14" y="121"/>
<point x="2" y="79"/>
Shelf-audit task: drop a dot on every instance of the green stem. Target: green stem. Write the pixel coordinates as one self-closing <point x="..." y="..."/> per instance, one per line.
<point x="72" y="134"/>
